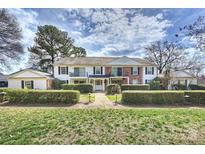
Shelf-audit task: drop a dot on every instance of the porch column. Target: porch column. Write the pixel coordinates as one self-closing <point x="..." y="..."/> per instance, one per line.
<point x="94" y="84"/>
<point x="128" y="80"/>
<point x="103" y="84"/>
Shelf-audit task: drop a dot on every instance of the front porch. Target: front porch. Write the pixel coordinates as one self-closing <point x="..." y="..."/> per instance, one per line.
<point x="100" y="83"/>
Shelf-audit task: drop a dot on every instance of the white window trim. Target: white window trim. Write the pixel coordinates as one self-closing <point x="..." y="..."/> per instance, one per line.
<point x="133" y="70"/>
<point x="64" y="67"/>
<point x="96" y="69"/>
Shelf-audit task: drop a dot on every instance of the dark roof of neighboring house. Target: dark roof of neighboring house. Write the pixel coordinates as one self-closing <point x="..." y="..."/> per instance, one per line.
<point x="103" y="61"/>
<point x="3" y="77"/>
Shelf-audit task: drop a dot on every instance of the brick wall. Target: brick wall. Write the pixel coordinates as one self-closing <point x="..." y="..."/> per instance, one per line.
<point x="127" y="72"/>
<point x="108" y="70"/>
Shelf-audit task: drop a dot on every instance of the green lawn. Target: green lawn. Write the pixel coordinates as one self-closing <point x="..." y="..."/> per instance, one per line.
<point x="113" y="97"/>
<point x="101" y="126"/>
<point x="85" y="98"/>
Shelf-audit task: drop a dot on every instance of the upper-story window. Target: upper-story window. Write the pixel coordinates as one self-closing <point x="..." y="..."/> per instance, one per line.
<point x="135" y="71"/>
<point x="117" y="71"/>
<point x="79" y="71"/>
<point x="98" y="70"/>
<point x="62" y="70"/>
<point x="149" y="70"/>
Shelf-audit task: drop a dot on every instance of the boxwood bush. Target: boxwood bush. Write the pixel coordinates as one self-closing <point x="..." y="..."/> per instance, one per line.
<point x="196" y="87"/>
<point x="83" y="88"/>
<point x="153" y="97"/>
<point x="113" y="89"/>
<point x="42" y="96"/>
<point x="195" y="97"/>
<point x="135" y="87"/>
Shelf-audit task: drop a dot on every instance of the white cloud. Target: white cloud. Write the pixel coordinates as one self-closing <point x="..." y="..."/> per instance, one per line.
<point x="116" y="32"/>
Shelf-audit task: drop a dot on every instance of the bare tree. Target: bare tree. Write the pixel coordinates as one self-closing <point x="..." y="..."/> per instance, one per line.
<point x="196" y="31"/>
<point x="10" y="40"/>
<point x="164" y="54"/>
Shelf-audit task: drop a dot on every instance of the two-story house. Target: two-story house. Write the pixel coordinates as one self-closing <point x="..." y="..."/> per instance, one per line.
<point x="101" y="71"/>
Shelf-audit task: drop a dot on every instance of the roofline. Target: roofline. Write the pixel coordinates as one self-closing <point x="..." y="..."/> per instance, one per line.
<point x="151" y="63"/>
<point x="11" y="75"/>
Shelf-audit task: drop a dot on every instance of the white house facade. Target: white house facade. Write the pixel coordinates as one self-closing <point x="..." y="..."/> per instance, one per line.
<point x="31" y="79"/>
<point x="101" y="71"/>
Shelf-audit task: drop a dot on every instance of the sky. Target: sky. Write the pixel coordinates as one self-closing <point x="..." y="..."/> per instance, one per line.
<point x="107" y="32"/>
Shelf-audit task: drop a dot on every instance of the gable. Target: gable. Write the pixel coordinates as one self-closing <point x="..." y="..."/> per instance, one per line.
<point x="124" y="61"/>
<point x="27" y="74"/>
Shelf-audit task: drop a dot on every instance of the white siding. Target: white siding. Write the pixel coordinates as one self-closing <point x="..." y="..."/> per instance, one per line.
<point x="61" y="76"/>
<point x="150" y="76"/>
<point x="37" y="83"/>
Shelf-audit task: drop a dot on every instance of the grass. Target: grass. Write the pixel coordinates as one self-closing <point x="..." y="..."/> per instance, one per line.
<point x="112" y="98"/>
<point x="102" y="126"/>
<point x="85" y="98"/>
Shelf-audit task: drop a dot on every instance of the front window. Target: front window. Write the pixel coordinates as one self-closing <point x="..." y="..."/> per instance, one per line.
<point x="135" y="71"/>
<point x="149" y="70"/>
<point x="63" y="70"/>
<point x="147" y="81"/>
<point x="28" y="84"/>
<point x="98" y="70"/>
<point x="79" y="71"/>
<point x="117" y="71"/>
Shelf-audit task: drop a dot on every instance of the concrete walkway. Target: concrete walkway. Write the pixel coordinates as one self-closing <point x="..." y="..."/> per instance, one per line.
<point x="102" y="100"/>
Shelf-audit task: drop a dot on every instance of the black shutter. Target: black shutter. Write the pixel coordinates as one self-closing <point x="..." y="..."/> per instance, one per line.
<point x="67" y="69"/>
<point x="131" y="70"/>
<point x="152" y="70"/>
<point x="22" y="84"/>
<point x="138" y="71"/>
<point x="32" y="84"/>
<point x="101" y="70"/>
<point x="59" y="70"/>
<point x="93" y="70"/>
<point x="145" y="70"/>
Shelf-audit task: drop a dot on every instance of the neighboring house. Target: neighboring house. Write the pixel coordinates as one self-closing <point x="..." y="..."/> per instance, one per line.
<point x="31" y="79"/>
<point x="3" y="80"/>
<point x="181" y="77"/>
<point x="101" y="71"/>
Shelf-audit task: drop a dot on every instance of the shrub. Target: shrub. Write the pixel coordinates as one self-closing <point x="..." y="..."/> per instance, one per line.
<point x="83" y="88"/>
<point x="153" y="97"/>
<point x="57" y="83"/>
<point x="196" y="87"/>
<point x="179" y="87"/>
<point x="42" y="96"/>
<point x="195" y="97"/>
<point x="135" y="87"/>
<point x="154" y="85"/>
<point x="113" y="89"/>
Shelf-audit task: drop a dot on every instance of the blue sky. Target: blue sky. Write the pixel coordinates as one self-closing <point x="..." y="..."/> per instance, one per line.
<point x="108" y="32"/>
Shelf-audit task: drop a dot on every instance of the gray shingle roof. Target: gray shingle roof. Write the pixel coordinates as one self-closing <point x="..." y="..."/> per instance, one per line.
<point x="102" y="61"/>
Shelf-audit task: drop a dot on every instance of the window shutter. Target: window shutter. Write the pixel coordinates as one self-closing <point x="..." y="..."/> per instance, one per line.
<point x="93" y="70"/>
<point x="59" y="70"/>
<point x="101" y="70"/>
<point x="138" y="71"/>
<point x="67" y="69"/>
<point x="152" y="70"/>
<point x="146" y="81"/>
<point x="32" y="84"/>
<point x="131" y="70"/>
<point x="145" y="70"/>
<point x="22" y="84"/>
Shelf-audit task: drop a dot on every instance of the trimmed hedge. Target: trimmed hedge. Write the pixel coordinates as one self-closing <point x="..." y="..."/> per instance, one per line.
<point x="153" y="97"/>
<point x="113" y="89"/>
<point x="155" y="85"/>
<point x="196" y="87"/>
<point x="42" y="96"/>
<point x="195" y="97"/>
<point x="83" y="88"/>
<point x="135" y="87"/>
